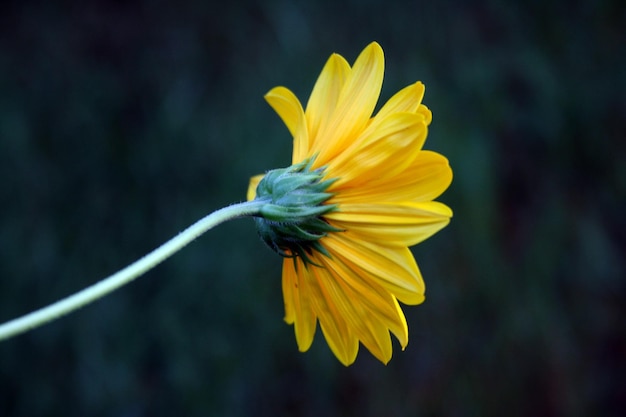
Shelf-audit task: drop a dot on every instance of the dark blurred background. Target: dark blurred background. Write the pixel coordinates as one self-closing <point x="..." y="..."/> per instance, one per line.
<point x="122" y="123"/>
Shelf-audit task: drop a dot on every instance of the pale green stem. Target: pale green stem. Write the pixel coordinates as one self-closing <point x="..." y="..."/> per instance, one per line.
<point x="128" y="274"/>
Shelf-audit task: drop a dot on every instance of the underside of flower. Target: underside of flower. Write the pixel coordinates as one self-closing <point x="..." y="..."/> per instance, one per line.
<point x="291" y="221"/>
<point x="365" y="174"/>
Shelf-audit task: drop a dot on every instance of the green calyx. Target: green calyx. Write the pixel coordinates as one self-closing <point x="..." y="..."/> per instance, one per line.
<point x="290" y="222"/>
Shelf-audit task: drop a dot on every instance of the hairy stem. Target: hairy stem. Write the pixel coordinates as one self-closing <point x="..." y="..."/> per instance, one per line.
<point x="124" y="276"/>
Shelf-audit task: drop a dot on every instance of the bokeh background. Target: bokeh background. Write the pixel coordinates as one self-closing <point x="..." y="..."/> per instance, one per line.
<point x="123" y="122"/>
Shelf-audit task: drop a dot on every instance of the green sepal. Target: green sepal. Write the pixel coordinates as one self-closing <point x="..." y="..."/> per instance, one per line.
<point x="278" y="213"/>
<point x="291" y="221"/>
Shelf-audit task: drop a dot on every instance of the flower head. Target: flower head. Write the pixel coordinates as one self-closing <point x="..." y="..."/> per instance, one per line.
<point x="359" y="192"/>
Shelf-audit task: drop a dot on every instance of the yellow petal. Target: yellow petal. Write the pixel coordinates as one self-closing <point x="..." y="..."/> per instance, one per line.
<point x="298" y="295"/>
<point x="355" y="105"/>
<point x="325" y="93"/>
<point x="254" y="183"/>
<point x="382" y="151"/>
<point x="392" y="267"/>
<point x="290" y="286"/>
<point x="425" y="179"/>
<point x="288" y="107"/>
<point x="406" y="100"/>
<point x="344" y="346"/>
<point x="403" y="224"/>
<point x="341" y="340"/>
<point x="425" y="111"/>
<point x="373" y="308"/>
<point x="346" y="303"/>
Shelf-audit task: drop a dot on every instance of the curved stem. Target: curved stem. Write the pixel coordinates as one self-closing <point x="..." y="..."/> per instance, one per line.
<point x="128" y="274"/>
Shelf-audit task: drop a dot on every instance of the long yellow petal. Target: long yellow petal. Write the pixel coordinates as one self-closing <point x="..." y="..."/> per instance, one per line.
<point x="380" y="152"/>
<point x="290" y="284"/>
<point x="425" y="179"/>
<point x="288" y="107"/>
<point x="344" y="346"/>
<point x="375" y="298"/>
<point x="402" y="224"/>
<point x="297" y="295"/>
<point x="406" y="100"/>
<point x="358" y="319"/>
<point x="355" y="104"/>
<point x="325" y="94"/>
<point x="341" y="340"/>
<point x="368" y="302"/>
<point x="390" y="266"/>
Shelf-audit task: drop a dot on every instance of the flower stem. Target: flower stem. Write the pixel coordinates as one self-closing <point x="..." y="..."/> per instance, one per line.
<point x="124" y="276"/>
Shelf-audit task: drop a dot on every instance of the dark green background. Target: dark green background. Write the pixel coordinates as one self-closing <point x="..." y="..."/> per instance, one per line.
<point x="121" y="124"/>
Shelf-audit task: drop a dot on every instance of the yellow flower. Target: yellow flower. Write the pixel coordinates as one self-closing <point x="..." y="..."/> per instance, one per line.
<point x="380" y="185"/>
